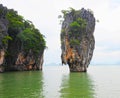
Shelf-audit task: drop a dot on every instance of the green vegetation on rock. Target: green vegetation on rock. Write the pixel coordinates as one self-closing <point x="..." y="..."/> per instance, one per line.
<point x="32" y="39"/>
<point x="74" y="42"/>
<point x="16" y="22"/>
<point x="25" y="31"/>
<point x="78" y="25"/>
<point x="6" y="39"/>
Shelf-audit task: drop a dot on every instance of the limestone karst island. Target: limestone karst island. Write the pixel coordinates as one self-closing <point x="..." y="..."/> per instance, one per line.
<point x="21" y="44"/>
<point x="77" y="39"/>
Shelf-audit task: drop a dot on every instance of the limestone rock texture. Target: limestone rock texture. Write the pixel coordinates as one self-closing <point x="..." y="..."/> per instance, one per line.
<point x="3" y="33"/>
<point x="21" y="44"/>
<point x="77" y="39"/>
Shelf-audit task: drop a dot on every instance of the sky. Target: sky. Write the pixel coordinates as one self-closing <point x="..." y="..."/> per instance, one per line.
<point x="44" y="15"/>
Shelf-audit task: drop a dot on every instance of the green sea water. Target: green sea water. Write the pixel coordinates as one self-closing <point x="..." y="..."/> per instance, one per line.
<point x="58" y="82"/>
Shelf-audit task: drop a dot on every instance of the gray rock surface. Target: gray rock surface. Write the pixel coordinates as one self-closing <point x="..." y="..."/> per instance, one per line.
<point x="77" y="39"/>
<point x="3" y="33"/>
<point x="13" y="56"/>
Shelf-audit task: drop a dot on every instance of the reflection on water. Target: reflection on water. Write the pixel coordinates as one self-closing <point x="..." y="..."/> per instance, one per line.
<point x="77" y="85"/>
<point x="58" y="82"/>
<point x="53" y="82"/>
<point x="21" y="85"/>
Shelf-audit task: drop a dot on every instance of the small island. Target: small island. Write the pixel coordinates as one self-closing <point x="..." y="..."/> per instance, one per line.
<point x="77" y="39"/>
<point x="21" y="44"/>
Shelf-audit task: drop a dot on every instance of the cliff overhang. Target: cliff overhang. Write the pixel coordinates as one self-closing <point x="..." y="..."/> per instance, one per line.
<point x="21" y="44"/>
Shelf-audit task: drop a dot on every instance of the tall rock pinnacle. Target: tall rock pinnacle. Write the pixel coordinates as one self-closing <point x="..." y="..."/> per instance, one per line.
<point x="77" y="39"/>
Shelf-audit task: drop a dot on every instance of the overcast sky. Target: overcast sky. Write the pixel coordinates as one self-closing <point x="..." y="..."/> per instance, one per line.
<point x="44" y="15"/>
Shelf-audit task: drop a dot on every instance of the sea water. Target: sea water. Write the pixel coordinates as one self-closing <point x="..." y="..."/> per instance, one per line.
<point x="57" y="82"/>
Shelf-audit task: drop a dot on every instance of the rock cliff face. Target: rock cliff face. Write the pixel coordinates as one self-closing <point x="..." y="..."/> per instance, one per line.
<point x="21" y="44"/>
<point x="77" y="39"/>
<point x="3" y="33"/>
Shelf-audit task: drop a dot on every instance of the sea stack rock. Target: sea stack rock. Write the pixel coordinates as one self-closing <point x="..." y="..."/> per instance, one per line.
<point x="21" y="44"/>
<point x="77" y="39"/>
